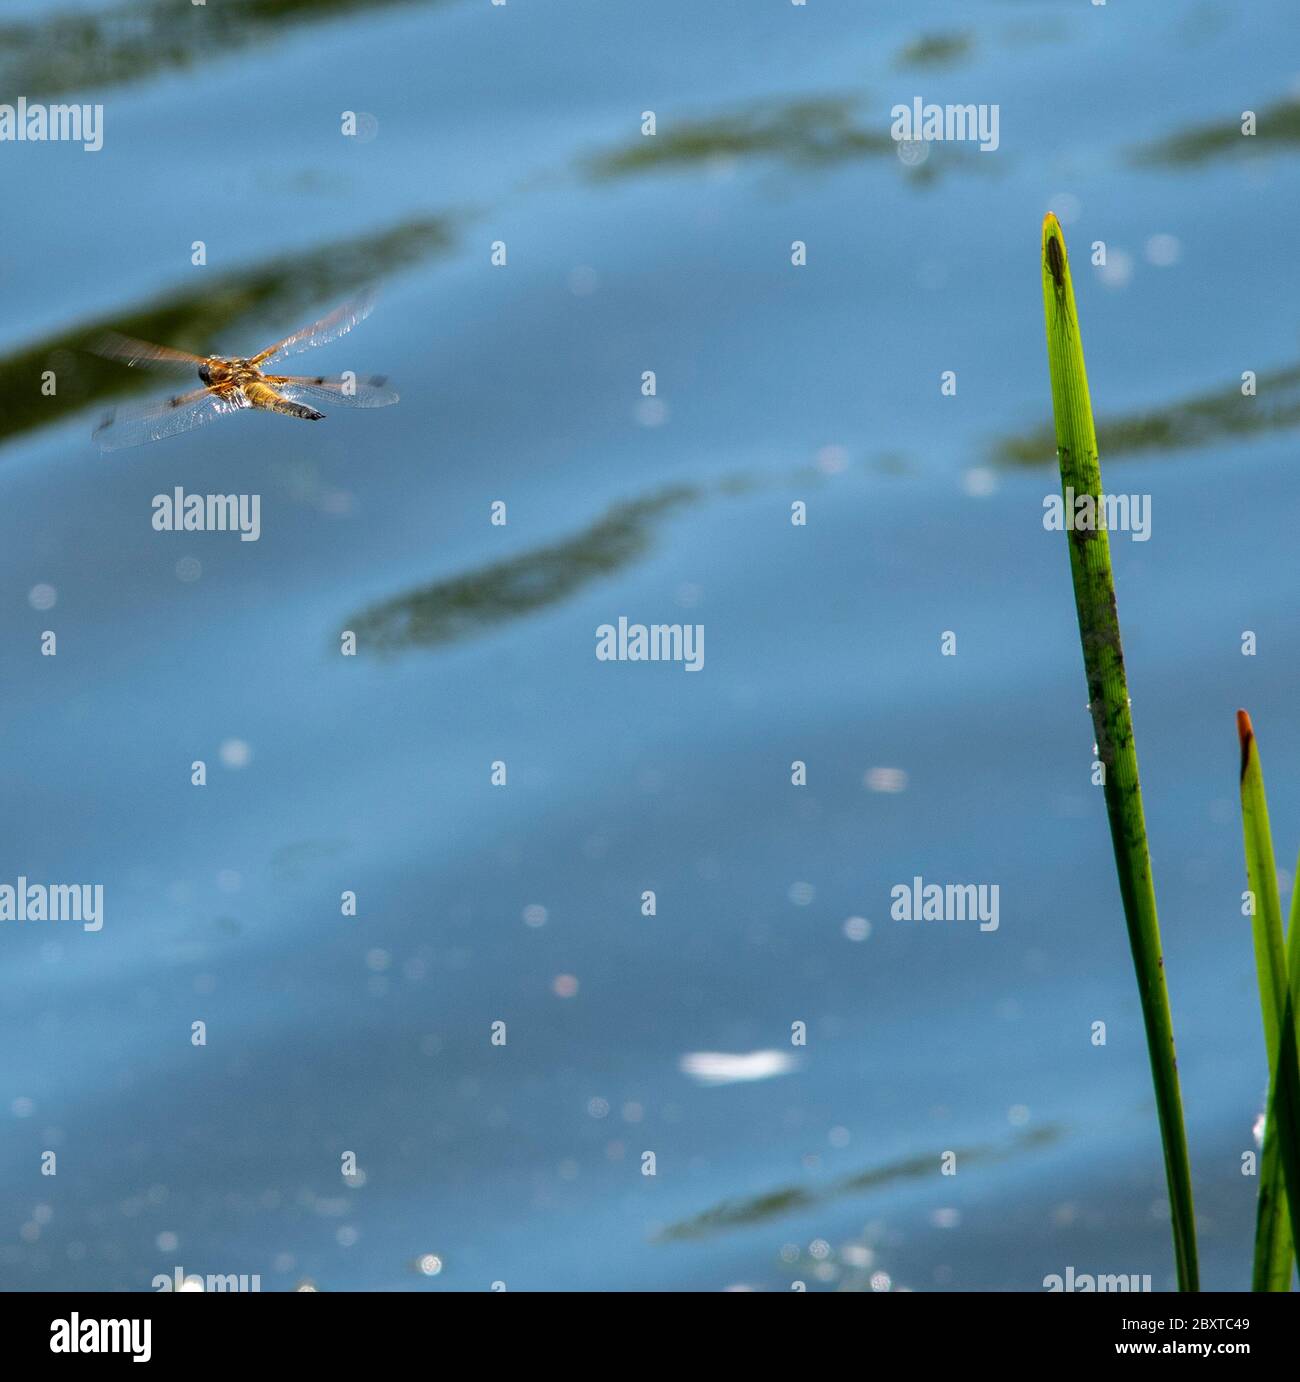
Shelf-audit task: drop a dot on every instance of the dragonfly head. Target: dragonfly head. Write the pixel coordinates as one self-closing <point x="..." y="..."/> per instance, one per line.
<point x="216" y="369"/>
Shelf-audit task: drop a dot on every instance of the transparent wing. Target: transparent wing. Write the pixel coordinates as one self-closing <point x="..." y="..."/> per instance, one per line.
<point x="133" y="352"/>
<point x="340" y="390"/>
<point x="141" y="422"/>
<point x="338" y="323"/>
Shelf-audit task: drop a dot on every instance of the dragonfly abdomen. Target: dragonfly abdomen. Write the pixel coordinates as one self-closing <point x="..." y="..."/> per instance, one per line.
<point x="264" y="396"/>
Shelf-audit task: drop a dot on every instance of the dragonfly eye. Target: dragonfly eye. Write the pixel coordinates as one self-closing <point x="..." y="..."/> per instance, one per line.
<point x="205" y="374"/>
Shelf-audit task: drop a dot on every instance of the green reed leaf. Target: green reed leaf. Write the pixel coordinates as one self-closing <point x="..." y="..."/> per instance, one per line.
<point x="1103" y="659"/>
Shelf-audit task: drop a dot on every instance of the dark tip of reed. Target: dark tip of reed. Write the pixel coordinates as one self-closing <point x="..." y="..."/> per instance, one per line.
<point x="1246" y="733"/>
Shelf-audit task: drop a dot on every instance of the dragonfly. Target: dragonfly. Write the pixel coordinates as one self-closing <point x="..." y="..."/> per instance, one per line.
<point x="232" y="383"/>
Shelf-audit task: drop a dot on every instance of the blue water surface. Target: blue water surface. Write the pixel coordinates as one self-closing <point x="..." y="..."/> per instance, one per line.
<point x="326" y="1034"/>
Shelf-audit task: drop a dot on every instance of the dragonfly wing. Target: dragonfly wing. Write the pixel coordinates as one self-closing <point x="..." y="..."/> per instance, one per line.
<point x="338" y="323"/>
<point x="135" y="423"/>
<point x="133" y="352"/>
<point x="340" y="390"/>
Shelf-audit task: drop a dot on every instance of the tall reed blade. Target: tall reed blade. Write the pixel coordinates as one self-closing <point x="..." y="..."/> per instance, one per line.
<point x="1290" y="1025"/>
<point x="1103" y="660"/>
<point x="1277" y="1227"/>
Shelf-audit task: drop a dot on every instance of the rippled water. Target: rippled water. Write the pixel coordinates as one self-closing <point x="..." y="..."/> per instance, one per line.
<point x="522" y="904"/>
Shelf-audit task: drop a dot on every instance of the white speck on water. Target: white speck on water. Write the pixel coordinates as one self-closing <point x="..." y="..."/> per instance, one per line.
<point x="235" y="753"/>
<point x="1163" y="251"/>
<point x="1117" y="270"/>
<point x="888" y="780"/>
<point x="723" y="1067"/>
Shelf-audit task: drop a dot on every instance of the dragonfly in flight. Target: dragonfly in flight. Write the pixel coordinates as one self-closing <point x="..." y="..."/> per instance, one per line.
<point x="230" y="383"/>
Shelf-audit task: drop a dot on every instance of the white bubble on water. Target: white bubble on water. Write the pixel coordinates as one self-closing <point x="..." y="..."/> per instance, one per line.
<point x="1117" y="270"/>
<point x="912" y="152"/>
<point x="1163" y="251"/>
<point x="235" y="753"/>
<point x="979" y="481"/>
<point x="857" y="928"/>
<point x="889" y="780"/>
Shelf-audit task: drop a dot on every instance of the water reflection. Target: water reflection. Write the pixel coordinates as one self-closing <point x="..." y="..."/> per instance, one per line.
<point x="463" y="605"/>
<point x="1276" y="125"/>
<point x="772" y="1204"/>
<point x="815" y="132"/>
<point x="935" y="50"/>
<point x="71" y="50"/>
<point x="294" y="862"/>
<point x="1195" y="421"/>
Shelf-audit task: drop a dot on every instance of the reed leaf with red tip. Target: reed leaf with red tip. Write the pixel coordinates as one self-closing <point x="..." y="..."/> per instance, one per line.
<point x="1277" y="1221"/>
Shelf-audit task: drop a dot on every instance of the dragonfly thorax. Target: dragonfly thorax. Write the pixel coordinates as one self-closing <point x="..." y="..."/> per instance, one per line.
<point x="216" y="370"/>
